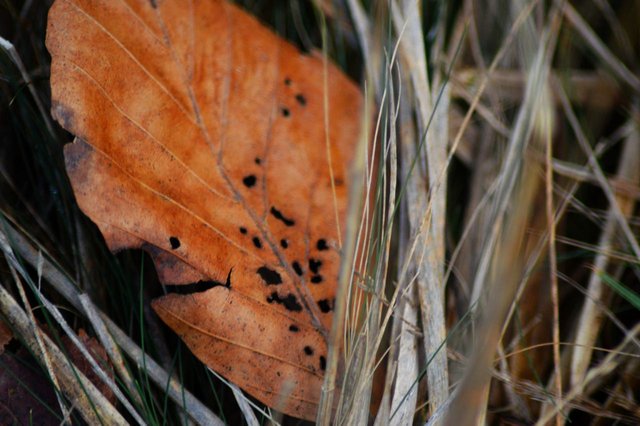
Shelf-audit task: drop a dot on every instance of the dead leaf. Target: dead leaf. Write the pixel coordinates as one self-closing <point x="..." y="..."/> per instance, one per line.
<point x="201" y="139"/>
<point x="6" y="335"/>
<point x="27" y="394"/>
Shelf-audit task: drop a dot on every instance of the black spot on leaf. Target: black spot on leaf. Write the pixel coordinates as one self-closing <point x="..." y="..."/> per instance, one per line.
<point x="284" y="243"/>
<point x="324" y="305"/>
<point x="296" y="267"/>
<point x="323" y="363"/>
<point x="289" y="302"/>
<point x="199" y="287"/>
<point x="154" y="4"/>
<point x="269" y="276"/>
<point x="249" y="181"/>
<point x="294" y="328"/>
<point x="301" y="99"/>
<point x="316" y="279"/>
<point x="285" y="112"/>
<point x="278" y="215"/>
<point x="257" y="242"/>
<point x="258" y="161"/>
<point x="308" y="350"/>
<point x="314" y="265"/>
<point x="175" y="242"/>
<point x="287" y="81"/>
<point x="243" y="230"/>
<point x="192" y="288"/>
<point x="322" y="244"/>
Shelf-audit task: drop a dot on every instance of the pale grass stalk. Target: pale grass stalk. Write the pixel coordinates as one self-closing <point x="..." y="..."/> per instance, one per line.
<point x="111" y="347"/>
<point x="404" y="398"/>
<point x="591" y="318"/>
<point x="384" y="412"/>
<point x="244" y="403"/>
<point x="405" y="394"/>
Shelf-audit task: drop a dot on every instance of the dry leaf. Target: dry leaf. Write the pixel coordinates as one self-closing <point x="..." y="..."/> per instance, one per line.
<point x="201" y="139"/>
<point x="6" y="335"/>
<point x="27" y="394"/>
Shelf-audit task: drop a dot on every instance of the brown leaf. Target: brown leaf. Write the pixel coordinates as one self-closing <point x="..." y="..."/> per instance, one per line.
<point x="27" y="394"/>
<point x="201" y="139"/>
<point x="6" y="335"/>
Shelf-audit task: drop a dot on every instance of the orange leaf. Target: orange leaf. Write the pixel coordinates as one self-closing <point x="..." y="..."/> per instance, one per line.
<point x="201" y="139"/>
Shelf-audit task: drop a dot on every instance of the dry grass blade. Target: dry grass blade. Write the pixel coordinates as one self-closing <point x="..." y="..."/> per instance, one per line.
<point x="404" y="397"/>
<point x="110" y="345"/>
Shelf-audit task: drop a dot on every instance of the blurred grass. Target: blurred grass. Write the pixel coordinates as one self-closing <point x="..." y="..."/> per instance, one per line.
<point x="387" y="319"/>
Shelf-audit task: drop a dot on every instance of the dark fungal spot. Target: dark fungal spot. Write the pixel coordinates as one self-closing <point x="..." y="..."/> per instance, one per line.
<point x="301" y="99"/>
<point x="324" y="305"/>
<point x="296" y="267"/>
<point x="338" y="181"/>
<point x="200" y="286"/>
<point x="278" y="215"/>
<point x="284" y="243"/>
<point x="287" y="81"/>
<point x="289" y="302"/>
<point x="322" y="244"/>
<point x="257" y="242"/>
<point x="243" y="230"/>
<point x="294" y="328"/>
<point x="154" y="4"/>
<point x="308" y="350"/>
<point x="258" y="161"/>
<point x="269" y="276"/>
<point x="314" y="265"/>
<point x="285" y="112"/>
<point x="192" y="288"/>
<point x="323" y="363"/>
<point x="316" y="279"/>
<point x="175" y="242"/>
<point x="249" y="181"/>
